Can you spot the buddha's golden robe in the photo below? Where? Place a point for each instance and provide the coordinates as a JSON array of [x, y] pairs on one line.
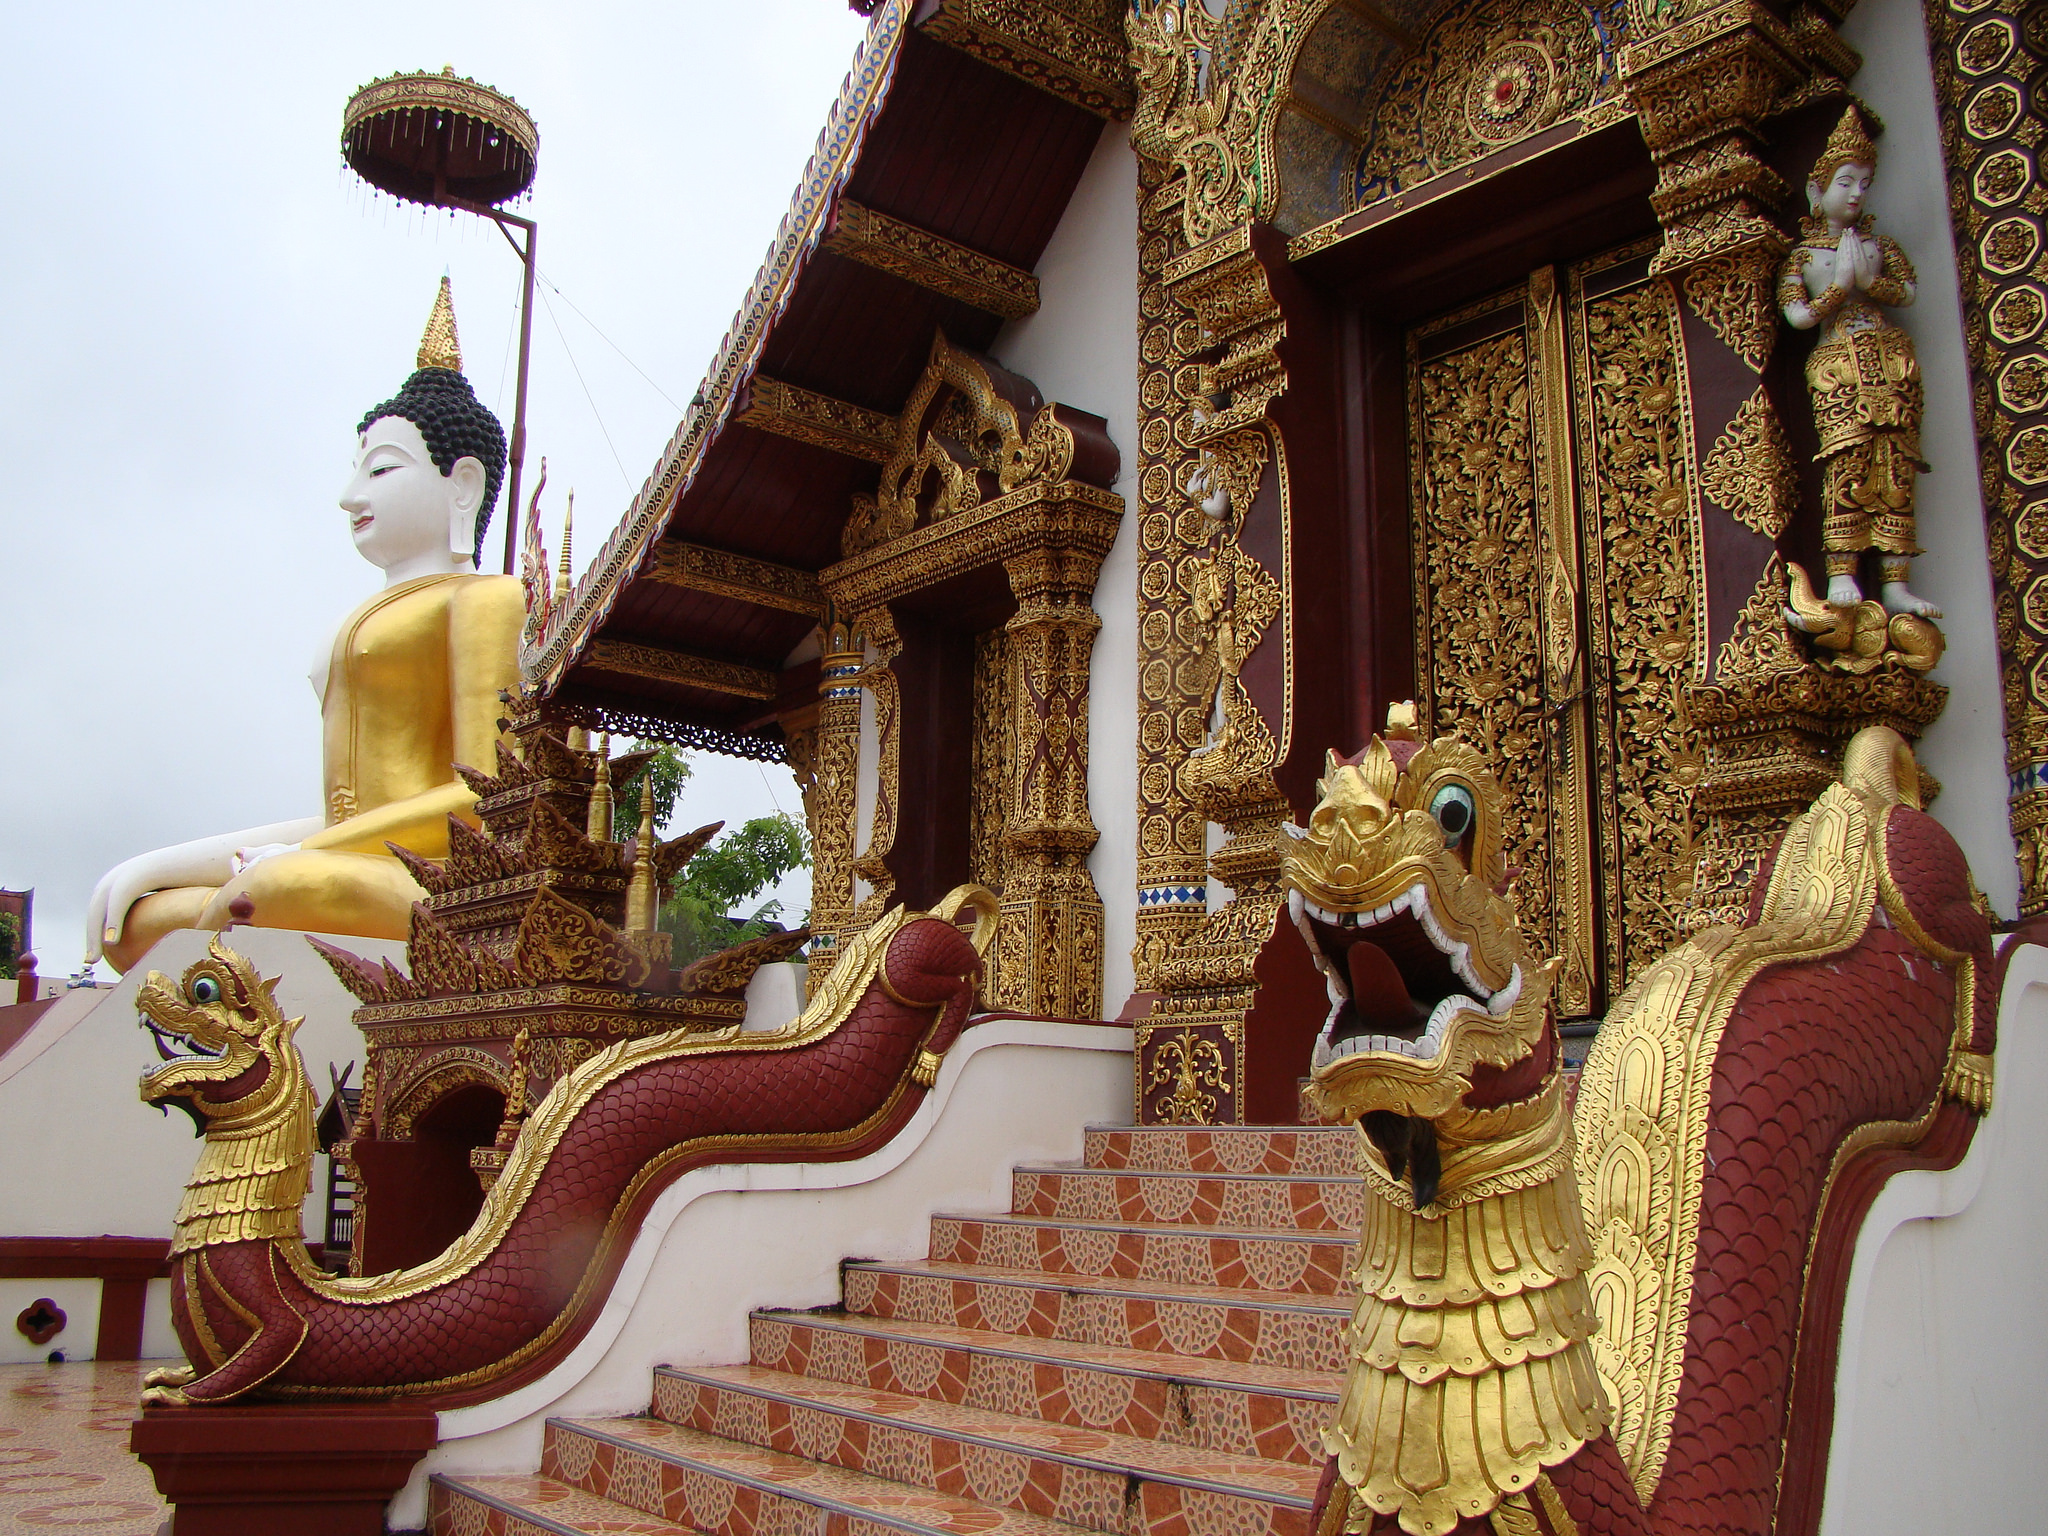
[[412, 689]]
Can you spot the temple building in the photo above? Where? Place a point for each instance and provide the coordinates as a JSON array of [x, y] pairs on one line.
[[1473, 569]]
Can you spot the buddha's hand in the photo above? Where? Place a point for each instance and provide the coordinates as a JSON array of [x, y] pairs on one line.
[[244, 858], [119, 889], [204, 861]]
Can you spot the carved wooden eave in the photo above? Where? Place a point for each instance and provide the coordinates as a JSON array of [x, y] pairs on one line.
[[695, 568], [931, 261], [663, 664], [942, 173], [1072, 48], [803, 415]]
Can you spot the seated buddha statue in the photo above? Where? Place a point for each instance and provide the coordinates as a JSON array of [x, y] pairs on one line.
[[408, 687]]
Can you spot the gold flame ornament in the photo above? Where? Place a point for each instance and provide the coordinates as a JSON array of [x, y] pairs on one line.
[[440, 347]]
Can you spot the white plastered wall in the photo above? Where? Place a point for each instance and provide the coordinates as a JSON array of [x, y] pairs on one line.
[[722, 1241], [1940, 1423], [1965, 749], [1081, 349], [84, 1157]]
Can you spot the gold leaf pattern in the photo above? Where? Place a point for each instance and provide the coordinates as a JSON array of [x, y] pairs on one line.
[[1749, 469]]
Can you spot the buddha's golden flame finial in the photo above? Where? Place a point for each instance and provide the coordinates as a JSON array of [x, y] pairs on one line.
[[1849, 144], [439, 345]]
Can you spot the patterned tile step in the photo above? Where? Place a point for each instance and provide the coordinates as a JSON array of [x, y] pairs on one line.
[[728, 1489], [1264, 1261], [532, 1506], [1296, 1330], [1264, 1201], [1319, 1151], [1219, 1405], [1058, 1470]]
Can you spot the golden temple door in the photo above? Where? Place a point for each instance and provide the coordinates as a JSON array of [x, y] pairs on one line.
[[1557, 565]]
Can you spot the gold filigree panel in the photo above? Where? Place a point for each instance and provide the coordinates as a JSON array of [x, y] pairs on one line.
[[994, 753], [1749, 469], [1488, 645], [1557, 570], [1640, 523], [1484, 76]]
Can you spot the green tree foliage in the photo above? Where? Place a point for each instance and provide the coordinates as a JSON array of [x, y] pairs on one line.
[[10, 943], [716, 901], [668, 772], [708, 910]]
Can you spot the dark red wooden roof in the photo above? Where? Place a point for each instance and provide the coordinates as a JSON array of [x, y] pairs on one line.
[[926, 135]]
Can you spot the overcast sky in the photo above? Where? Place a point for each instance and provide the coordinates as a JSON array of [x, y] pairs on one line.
[[200, 303]]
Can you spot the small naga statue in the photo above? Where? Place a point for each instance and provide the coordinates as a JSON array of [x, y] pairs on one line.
[[1863, 376], [1618, 1316], [515, 1292]]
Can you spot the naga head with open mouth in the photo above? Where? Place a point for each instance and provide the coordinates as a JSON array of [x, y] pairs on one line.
[[226, 1046], [1398, 884]]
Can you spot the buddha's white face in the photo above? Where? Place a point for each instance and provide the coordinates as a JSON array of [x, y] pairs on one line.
[[1841, 200], [407, 518]]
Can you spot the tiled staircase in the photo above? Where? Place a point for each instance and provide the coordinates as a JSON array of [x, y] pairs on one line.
[[1148, 1345]]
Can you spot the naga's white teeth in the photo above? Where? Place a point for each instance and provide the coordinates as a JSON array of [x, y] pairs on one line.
[[1457, 953], [1295, 906]]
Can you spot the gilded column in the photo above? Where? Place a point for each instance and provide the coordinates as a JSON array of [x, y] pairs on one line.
[[832, 802], [1047, 956], [878, 625], [1172, 890], [1701, 84]]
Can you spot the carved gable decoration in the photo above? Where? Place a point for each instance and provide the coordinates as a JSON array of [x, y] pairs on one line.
[[970, 432]]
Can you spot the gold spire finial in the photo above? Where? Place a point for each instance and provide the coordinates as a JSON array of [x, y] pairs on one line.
[[598, 821], [1849, 144], [640, 893], [439, 345], [568, 532]]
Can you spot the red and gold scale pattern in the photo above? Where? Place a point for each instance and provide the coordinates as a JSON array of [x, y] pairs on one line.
[[1146, 1345]]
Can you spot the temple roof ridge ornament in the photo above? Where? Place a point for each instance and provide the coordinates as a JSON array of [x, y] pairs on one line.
[[572, 624]]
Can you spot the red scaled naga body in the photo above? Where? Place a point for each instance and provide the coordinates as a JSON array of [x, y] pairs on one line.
[[515, 1292], [1621, 1316]]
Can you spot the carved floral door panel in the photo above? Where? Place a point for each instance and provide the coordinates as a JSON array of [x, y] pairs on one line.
[[1556, 559]]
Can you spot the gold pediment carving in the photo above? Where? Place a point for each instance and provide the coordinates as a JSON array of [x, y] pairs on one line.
[[972, 431]]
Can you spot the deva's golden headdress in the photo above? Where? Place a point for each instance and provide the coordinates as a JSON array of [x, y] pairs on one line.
[[1849, 144]]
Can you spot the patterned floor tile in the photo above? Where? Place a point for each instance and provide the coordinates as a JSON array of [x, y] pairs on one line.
[[1266, 1261], [1096, 1449], [64, 1458], [1221, 1405], [1281, 1202], [1329, 1151], [1263, 1327], [532, 1506], [730, 1489]]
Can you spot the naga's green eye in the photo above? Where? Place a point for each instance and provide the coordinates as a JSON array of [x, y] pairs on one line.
[[205, 990], [1453, 810]]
